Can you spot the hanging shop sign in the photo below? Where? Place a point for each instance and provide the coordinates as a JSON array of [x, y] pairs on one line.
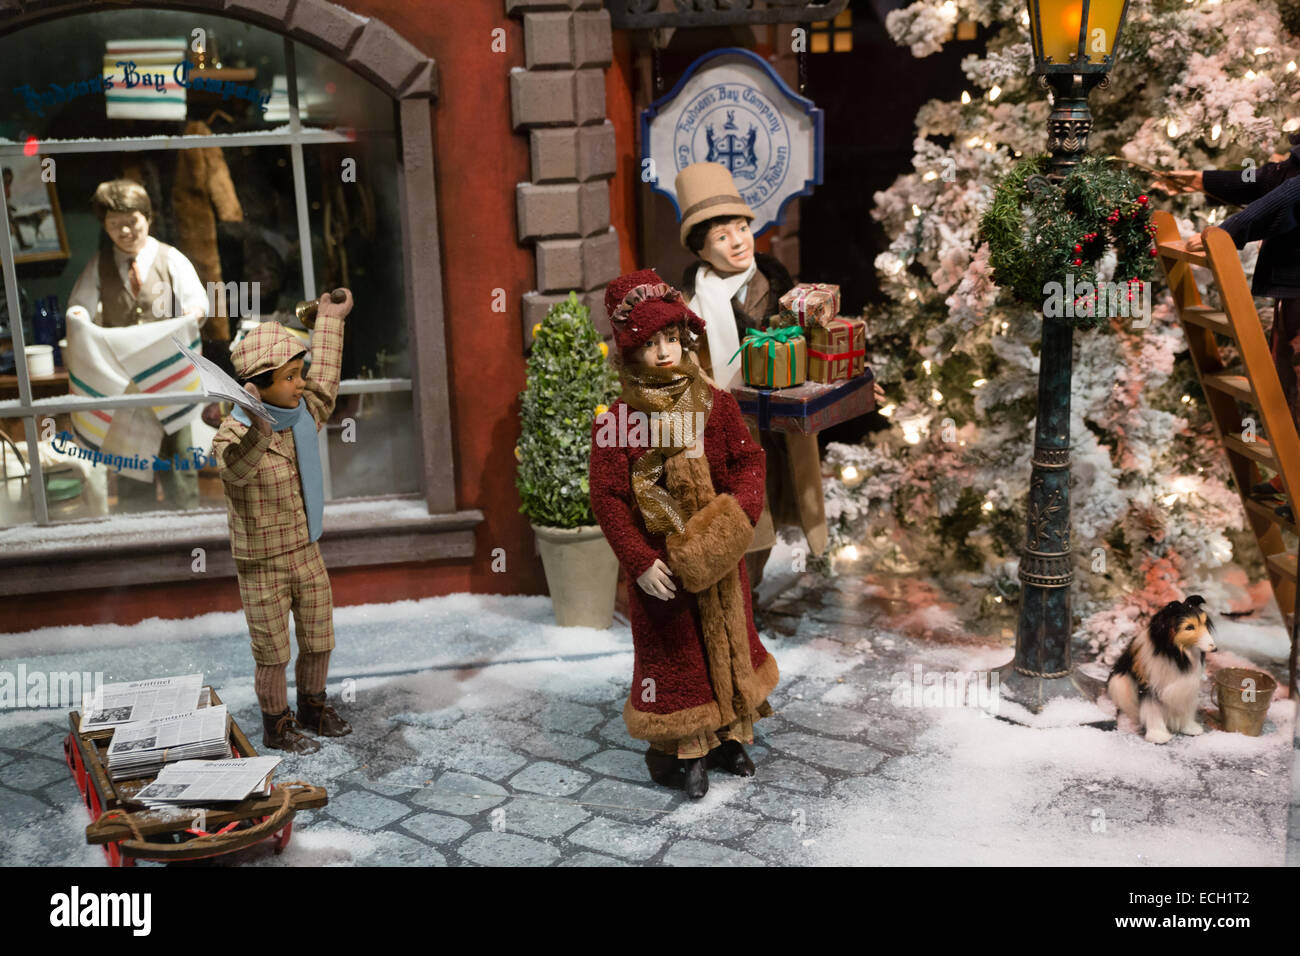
[[731, 108]]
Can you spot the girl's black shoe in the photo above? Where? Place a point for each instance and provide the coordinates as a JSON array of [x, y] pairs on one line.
[[697, 778], [664, 768], [731, 757]]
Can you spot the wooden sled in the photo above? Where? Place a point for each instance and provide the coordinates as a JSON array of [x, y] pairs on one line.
[[128, 834]]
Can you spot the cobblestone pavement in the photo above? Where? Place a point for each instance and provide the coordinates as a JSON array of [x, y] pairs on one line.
[[523, 759]]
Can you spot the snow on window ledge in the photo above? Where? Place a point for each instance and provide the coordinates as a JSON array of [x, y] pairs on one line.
[[209, 527]]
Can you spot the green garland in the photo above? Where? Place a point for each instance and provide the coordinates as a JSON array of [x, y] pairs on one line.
[[1041, 232]]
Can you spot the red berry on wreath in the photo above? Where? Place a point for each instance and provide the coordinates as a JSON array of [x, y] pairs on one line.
[[1078, 248], [1142, 200], [1078, 262]]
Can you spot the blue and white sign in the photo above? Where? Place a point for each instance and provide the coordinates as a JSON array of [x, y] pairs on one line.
[[731, 108]]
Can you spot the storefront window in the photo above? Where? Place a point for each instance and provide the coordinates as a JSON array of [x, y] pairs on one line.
[[265, 201]]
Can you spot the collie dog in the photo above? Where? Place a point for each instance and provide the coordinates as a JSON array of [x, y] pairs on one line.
[[1157, 680]]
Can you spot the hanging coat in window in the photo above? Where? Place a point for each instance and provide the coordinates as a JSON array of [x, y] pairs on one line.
[[202, 185]]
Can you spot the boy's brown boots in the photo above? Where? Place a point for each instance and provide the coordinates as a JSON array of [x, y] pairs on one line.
[[319, 717], [283, 732]]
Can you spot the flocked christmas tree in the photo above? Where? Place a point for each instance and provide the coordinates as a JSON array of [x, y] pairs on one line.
[[1198, 84], [569, 382]]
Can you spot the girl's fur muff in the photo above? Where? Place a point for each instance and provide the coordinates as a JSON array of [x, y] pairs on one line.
[[1156, 681], [640, 304]]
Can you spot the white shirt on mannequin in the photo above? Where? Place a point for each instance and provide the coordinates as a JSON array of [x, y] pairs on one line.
[[185, 281]]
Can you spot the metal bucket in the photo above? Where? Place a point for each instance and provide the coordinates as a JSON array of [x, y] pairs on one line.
[[1243, 696]]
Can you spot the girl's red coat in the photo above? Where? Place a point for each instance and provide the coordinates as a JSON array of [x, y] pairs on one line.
[[667, 636]]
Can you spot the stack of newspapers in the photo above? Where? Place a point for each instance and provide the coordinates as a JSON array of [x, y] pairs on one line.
[[113, 705], [197, 782], [140, 749]]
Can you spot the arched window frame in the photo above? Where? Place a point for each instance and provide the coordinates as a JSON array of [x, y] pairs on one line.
[[384, 58]]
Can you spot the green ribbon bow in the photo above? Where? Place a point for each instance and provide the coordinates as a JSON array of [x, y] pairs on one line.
[[785, 335]]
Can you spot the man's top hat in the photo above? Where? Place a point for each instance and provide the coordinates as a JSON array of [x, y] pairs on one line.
[[706, 190]]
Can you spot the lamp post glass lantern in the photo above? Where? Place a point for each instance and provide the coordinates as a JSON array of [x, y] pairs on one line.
[[1074, 43], [1075, 36]]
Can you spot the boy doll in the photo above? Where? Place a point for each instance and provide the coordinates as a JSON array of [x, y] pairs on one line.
[[735, 289], [677, 502], [273, 482]]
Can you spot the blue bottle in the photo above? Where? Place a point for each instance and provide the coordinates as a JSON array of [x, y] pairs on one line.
[[60, 330], [43, 324]]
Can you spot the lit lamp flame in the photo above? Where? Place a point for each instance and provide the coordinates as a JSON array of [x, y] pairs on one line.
[[1060, 22]]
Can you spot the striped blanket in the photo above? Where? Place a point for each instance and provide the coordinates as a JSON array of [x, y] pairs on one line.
[[144, 79], [136, 359]]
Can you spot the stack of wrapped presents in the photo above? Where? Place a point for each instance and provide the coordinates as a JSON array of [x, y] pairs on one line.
[[807, 370]]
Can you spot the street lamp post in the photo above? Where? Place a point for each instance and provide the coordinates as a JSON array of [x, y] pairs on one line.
[[1074, 43]]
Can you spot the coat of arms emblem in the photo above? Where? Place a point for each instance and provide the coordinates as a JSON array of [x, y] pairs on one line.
[[736, 153]]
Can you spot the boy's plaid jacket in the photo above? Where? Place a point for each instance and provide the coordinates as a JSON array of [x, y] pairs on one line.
[[264, 504]]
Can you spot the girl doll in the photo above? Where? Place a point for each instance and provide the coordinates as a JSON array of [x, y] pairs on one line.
[[677, 484]]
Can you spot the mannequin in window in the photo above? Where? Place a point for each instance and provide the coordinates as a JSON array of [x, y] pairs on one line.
[[137, 280]]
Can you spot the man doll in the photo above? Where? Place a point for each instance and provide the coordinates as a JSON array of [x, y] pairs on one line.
[[272, 476], [136, 280], [679, 522], [733, 289], [1271, 196]]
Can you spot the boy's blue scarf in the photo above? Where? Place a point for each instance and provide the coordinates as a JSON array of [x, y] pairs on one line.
[[309, 469]]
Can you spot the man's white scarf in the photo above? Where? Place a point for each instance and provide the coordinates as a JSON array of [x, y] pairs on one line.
[[712, 302]]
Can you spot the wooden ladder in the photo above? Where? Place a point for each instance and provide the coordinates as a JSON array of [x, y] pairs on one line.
[[1276, 444]]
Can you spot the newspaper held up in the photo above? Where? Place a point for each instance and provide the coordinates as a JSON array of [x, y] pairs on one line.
[[217, 384]]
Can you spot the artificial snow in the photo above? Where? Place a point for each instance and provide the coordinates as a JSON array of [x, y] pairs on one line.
[[487, 735]]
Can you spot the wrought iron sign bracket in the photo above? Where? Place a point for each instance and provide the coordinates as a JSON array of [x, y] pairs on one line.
[[645, 14]]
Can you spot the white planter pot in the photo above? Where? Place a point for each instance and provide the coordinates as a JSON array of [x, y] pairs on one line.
[[582, 574]]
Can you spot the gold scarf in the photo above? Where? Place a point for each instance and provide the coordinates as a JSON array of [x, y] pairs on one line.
[[677, 394]]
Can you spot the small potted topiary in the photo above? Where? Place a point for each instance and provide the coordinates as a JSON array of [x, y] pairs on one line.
[[568, 384]]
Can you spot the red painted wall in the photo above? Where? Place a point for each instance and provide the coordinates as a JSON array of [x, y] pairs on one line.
[[478, 160], [620, 107]]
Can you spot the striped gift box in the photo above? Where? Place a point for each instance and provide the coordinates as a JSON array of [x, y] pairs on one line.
[[143, 73]]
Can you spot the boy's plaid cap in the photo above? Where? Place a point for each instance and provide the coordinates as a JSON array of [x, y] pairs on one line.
[[267, 347]]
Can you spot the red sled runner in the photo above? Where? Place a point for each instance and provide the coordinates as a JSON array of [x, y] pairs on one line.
[[127, 836]]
